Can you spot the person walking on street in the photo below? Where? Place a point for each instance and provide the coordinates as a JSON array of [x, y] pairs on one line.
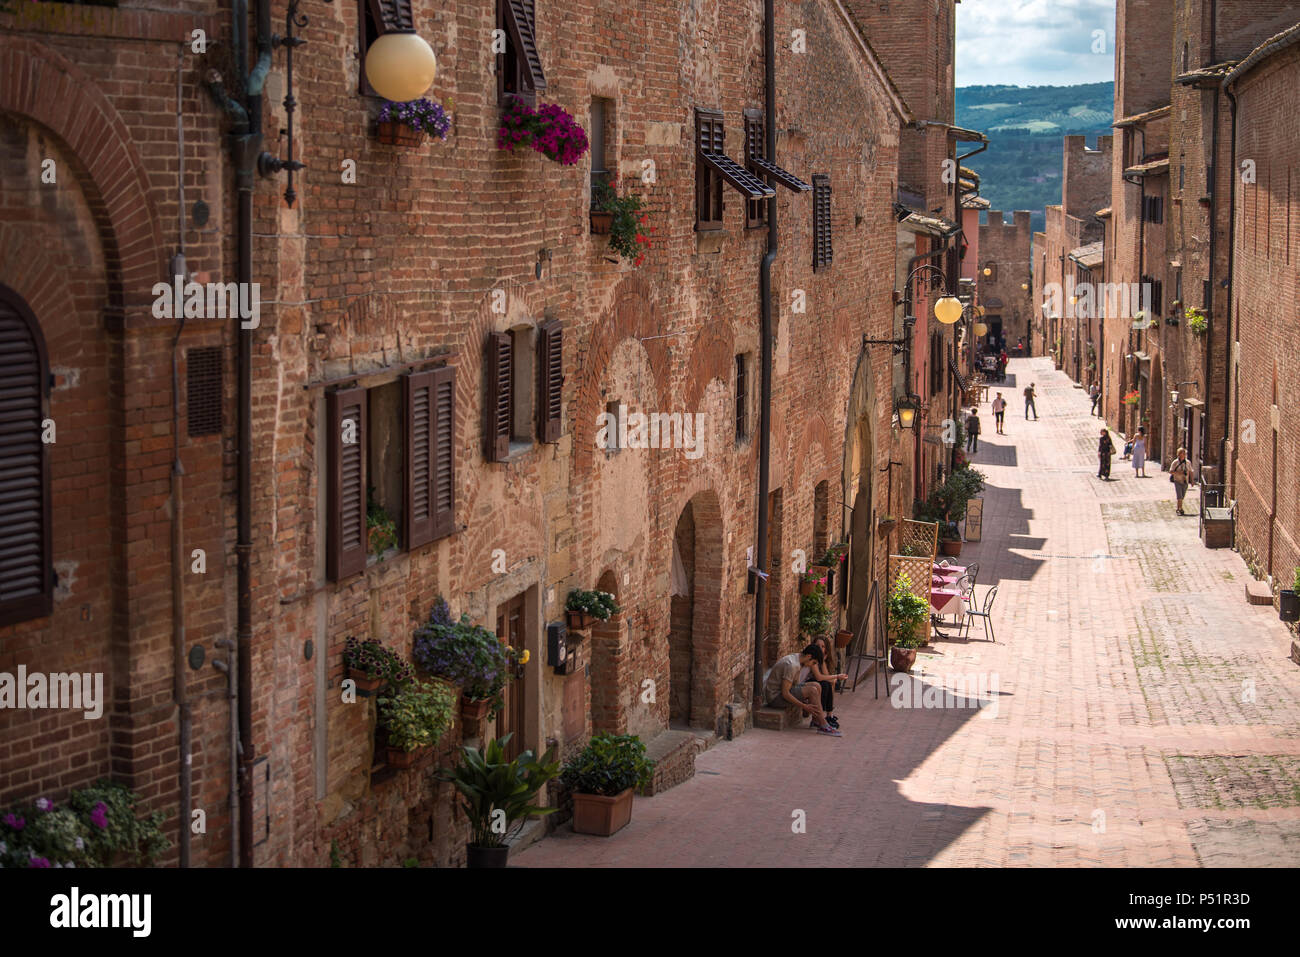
[[1140, 454], [1180, 473], [973, 431], [1029, 402], [1096, 397], [1105, 449], [999, 412]]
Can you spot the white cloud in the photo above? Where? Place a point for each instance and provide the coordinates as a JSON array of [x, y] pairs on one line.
[[1033, 42]]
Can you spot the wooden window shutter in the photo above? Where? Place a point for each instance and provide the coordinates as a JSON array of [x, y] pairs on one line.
[[500, 404], [822, 253], [550, 375], [26, 568], [346, 545], [444, 451], [392, 16], [417, 388]]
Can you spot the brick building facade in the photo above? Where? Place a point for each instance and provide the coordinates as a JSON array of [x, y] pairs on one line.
[[427, 268], [1004, 249]]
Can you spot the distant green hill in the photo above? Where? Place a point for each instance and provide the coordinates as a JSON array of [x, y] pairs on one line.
[[1021, 169]]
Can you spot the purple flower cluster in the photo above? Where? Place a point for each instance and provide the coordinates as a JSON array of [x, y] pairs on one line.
[[99, 815], [15, 822], [550, 130], [423, 116]]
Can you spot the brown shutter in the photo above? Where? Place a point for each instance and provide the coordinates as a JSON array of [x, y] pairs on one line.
[[392, 16], [500, 407], [821, 221], [418, 393], [26, 577], [550, 385], [346, 543], [444, 451]]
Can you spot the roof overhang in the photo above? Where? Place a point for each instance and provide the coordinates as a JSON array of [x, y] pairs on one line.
[[1206, 77], [1089, 256], [1103, 213], [1137, 119], [1270, 47], [1154, 168], [874, 62], [929, 225]]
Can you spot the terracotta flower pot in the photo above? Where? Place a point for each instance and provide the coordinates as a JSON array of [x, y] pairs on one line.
[[600, 815], [902, 659], [474, 709], [398, 134], [950, 547], [366, 686], [397, 758], [477, 856], [601, 222], [843, 638], [806, 586], [578, 620]]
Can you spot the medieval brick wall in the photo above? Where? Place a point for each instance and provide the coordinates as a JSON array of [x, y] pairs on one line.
[[408, 262]]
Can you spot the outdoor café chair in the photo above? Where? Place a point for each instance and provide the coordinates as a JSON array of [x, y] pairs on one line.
[[986, 614], [973, 570]]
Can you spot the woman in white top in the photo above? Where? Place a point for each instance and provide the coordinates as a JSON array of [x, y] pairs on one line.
[[1140, 454]]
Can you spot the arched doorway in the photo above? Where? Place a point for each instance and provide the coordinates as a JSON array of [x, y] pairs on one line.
[[608, 654], [695, 632]]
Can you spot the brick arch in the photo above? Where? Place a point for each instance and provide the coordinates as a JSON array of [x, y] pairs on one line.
[[49, 90], [712, 357], [609, 662], [515, 527], [632, 315], [814, 431], [35, 277], [708, 687]]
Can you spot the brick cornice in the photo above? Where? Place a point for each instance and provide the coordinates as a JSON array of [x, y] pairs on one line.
[[63, 19]]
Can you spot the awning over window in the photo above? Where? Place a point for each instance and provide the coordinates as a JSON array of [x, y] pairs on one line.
[[747, 183]]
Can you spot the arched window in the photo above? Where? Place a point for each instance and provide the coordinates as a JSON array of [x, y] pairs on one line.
[[26, 576]]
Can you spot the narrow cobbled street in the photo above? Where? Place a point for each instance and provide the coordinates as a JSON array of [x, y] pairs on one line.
[[1146, 715]]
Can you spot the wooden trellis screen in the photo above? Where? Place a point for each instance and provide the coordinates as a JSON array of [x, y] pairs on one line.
[[922, 536], [916, 571]]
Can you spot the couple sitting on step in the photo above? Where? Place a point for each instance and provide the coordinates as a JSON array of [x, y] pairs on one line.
[[799, 679]]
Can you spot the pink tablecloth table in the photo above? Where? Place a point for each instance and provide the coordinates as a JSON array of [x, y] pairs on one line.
[[945, 570], [945, 601]]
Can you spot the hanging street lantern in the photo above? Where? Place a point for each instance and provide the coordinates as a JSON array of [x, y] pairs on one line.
[[401, 66]]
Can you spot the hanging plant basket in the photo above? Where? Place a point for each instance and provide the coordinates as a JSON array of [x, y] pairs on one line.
[[474, 709], [398, 134], [578, 620], [886, 525], [601, 222], [843, 638], [366, 686]]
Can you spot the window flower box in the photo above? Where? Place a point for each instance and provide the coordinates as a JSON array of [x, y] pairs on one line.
[[405, 124], [548, 129], [601, 221]]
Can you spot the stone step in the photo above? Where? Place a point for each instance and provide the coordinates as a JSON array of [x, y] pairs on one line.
[[1258, 593], [674, 755], [777, 719]]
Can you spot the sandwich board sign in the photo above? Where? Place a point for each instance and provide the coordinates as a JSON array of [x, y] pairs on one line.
[[974, 518]]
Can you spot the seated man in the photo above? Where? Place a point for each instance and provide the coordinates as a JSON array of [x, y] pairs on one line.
[[783, 686]]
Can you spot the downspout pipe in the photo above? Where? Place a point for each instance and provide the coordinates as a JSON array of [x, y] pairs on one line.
[[1229, 315], [1211, 327], [765, 347], [245, 149]]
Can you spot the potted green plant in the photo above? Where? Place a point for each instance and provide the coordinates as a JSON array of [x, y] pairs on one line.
[[950, 539], [381, 530], [1288, 600], [602, 778], [814, 614], [371, 666], [466, 655], [905, 613], [497, 796], [621, 218], [833, 562], [583, 607], [1197, 320], [415, 717]]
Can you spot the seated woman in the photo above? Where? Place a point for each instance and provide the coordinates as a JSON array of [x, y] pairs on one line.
[[816, 672]]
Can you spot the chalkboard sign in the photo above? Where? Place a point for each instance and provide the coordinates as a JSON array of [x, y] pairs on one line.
[[974, 518]]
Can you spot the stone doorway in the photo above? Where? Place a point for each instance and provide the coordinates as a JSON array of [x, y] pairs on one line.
[[695, 633]]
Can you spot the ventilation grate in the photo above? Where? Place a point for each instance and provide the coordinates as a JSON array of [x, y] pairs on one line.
[[203, 390]]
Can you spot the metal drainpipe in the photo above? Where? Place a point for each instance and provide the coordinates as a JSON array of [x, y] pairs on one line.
[[765, 346], [245, 149], [179, 695], [1229, 315]]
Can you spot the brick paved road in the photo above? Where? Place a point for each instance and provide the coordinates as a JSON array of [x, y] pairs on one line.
[[1147, 716]]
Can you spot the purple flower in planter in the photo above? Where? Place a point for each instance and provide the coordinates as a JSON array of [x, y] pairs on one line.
[[14, 822], [44, 804], [99, 815], [38, 862]]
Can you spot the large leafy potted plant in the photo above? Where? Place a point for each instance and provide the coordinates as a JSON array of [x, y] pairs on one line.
[[466, 655], [602, 778], [814, 614], [583, 607], [905, 613], [415, 717], [950, 539], [498, 795]]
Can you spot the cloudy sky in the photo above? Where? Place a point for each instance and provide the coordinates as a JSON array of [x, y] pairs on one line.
[[1034, 42]]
